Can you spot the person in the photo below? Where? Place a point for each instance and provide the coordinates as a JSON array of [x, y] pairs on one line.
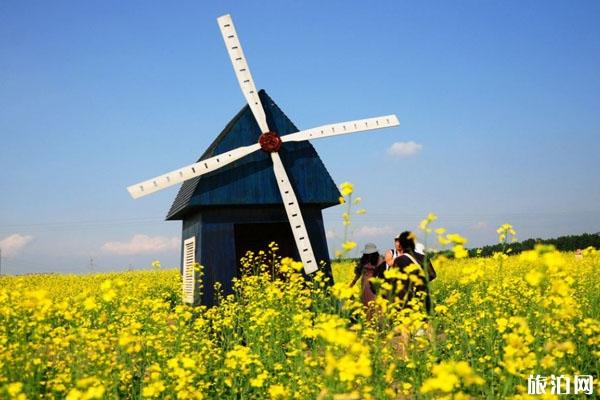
[[365, 270], [420, 248], [392, 254], [418, 283]]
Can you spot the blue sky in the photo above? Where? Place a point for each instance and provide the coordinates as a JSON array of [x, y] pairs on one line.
[[502, 98]]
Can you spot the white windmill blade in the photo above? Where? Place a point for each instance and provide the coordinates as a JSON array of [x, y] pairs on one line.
[[342, 128], [191, 171], [292, 208], [242, 71]]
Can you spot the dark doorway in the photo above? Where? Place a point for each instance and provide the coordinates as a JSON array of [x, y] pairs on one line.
[[256, 237]]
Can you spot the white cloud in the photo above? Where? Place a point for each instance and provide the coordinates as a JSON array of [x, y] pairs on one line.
[[330, 234], [479, 226], [404, 149], [373, 231], [12, 244], [142, 244]]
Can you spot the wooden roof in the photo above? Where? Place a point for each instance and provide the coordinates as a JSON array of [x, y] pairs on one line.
[[250, 180]]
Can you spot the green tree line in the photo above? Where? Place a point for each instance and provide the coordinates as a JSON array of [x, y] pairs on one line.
[[562, 243]]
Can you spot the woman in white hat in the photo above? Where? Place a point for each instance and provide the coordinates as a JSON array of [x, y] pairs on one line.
[[367, 268]]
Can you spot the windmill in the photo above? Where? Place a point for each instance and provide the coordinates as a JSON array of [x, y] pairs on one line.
[[271, 143]]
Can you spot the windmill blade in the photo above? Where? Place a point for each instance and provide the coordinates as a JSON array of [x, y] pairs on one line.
[[292, 208], [242, 71], [342, 128], [191, 171]]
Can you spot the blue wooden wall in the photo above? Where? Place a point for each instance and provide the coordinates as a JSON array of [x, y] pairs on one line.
[[215, 240]]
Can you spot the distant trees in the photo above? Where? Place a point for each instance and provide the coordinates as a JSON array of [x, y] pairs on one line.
[[562, 243]]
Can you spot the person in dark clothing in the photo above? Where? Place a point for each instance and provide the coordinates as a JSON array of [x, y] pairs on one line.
[[416, 277], [366, 269]]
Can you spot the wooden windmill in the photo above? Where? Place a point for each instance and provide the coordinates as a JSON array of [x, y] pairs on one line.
[[236, 198]]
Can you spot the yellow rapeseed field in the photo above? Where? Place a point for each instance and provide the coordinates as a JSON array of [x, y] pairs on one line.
[[127, 335]]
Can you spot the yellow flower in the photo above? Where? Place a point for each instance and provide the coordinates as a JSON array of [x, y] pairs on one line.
[[94, 392], [395, 273], [297, 266], [459, 251], [149, 391], [443, 241], [528, 256], [444, 382], [504, 228], [109, 295], [107, 284], [346, 188], [259, 380], [188, 363], [349, 245], [501, 323], [456, 238], [15, 388], [504, 231], [277, 391], [441, 309], [448, 376], [588, 251], [74, 394], [342, 291], [548, 362], [534, 277], [89, 303], [125, 339]]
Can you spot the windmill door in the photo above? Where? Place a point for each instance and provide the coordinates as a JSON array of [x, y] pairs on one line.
[[256, 237]]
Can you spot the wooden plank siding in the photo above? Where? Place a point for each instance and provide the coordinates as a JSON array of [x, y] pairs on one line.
[[215, 234], [250, 180]]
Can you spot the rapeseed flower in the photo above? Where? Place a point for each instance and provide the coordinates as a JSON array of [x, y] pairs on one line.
[[349, 245], [346, 188], [281, 336], [277, 391], [450, 376]]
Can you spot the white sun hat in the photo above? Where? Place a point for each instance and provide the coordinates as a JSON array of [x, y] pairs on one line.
[[370, 248]]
